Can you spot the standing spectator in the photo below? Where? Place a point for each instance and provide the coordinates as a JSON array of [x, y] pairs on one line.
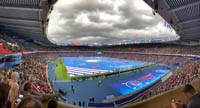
[[14, 90], [144, 96], [83, 104], [55, 78], [4, 90], [79, 103], [99, 83], [93, 99], [74, 103], [73, 88]]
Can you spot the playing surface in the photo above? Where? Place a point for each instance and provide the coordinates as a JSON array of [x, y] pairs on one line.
[[112, 86], [77, 66]]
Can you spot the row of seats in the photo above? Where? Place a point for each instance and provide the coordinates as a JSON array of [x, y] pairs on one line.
[[175, 3], [20, 2], [3, 50]]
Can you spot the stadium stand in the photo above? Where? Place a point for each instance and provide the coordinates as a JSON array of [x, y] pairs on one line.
[[33, 69], [3, 50], [166, 98]]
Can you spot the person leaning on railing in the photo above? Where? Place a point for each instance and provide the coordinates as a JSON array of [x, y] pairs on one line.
[[192, 96]]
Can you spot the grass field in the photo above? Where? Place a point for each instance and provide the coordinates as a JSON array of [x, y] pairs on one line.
[[60, 70]]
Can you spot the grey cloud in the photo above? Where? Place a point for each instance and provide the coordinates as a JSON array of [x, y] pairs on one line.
[[133, 17], [131, 24], [94, 17]]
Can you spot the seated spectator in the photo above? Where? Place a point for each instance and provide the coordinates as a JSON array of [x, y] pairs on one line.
[[14, 88], [28, 92], [4, 91], [192, 96], [30, 103]]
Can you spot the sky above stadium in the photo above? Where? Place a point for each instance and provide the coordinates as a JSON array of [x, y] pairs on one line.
[[99, 21]]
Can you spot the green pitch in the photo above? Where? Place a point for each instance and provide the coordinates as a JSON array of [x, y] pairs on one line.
[[60, 70]]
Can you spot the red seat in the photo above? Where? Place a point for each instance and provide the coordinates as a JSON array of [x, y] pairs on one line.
[[3, 50]]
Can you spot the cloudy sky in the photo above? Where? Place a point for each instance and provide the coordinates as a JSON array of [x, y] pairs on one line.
[[99, 21]]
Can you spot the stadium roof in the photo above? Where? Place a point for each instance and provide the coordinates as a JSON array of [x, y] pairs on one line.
[[29, 18], [182, 15], [26, 18]]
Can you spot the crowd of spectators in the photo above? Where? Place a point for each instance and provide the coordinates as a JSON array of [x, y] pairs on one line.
[[33, 69], [182, 75], [8, 46], [185, 69], [29, 76]]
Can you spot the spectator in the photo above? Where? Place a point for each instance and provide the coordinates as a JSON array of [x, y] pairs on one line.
[[4, 91], [62, 92], [30, 103], [144, 96], [14, 90], [83, 103], [55, 78], [53, 104], [99, 83], [28, 92], [192, 96], [74, 103], [73, 88], [79, 103]]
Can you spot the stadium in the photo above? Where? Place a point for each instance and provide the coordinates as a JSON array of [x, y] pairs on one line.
[[41, 68]]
